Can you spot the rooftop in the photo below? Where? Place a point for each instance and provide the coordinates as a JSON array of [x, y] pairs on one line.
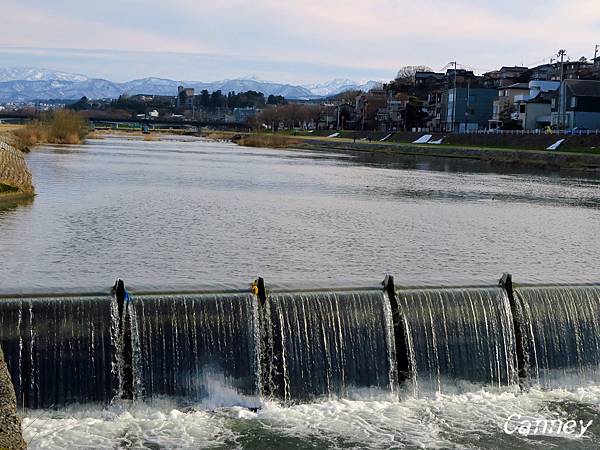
[[584, 88]]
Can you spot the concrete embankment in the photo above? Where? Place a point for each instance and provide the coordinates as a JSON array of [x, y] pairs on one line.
[[10, 425], [15, 177], [543, 159]]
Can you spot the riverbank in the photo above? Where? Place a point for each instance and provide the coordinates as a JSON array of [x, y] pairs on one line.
[[539, 159], [59, 127], [527, 151]]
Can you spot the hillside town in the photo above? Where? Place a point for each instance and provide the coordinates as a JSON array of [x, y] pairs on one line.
[[558, 95]]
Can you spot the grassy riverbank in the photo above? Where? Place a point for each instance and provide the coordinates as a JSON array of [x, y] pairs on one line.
[[59, 127], [579, 152]]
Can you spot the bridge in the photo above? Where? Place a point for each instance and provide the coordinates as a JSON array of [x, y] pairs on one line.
[[100, 120]]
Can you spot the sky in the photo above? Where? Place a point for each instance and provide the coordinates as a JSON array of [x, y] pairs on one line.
[[290, 41]]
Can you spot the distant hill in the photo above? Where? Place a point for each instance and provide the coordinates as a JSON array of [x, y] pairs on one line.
[[339, 85], [29, 84], [37, 74]]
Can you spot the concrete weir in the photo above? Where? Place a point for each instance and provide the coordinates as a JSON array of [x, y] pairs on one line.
[[10, 425]]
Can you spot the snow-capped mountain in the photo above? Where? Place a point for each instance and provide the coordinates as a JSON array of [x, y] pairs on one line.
[[340, 85], [24, 90], [37, 74], [29, 84]]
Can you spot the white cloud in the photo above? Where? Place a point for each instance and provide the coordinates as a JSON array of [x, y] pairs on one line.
[[379, 35]]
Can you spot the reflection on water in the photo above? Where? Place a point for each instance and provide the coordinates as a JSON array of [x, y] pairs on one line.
[[186, 213]]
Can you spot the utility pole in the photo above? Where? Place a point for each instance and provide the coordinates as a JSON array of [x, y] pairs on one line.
[[468, 110], [561, 54], [454, 99], [596, 52]]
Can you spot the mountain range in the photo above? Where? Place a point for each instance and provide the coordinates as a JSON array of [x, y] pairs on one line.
[[18, 84]]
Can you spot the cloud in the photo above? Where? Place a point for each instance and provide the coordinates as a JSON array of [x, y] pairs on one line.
[[359, 37]]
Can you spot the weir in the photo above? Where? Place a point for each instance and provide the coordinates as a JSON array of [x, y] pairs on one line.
[[458, 334], [561, 325], [58, 349], [296, 345], [186, 343], [327, 343]]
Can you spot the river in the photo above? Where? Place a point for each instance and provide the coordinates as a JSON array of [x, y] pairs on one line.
[[182, 213], [187, 214]]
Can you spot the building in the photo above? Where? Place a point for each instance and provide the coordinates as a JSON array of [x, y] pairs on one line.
[[578, 70], [243, 115], [504, 105], [367, 107], [429, 81], [545, 72], [576, 105], [464, 109], [533, 111], [507, 76], [185, 97]]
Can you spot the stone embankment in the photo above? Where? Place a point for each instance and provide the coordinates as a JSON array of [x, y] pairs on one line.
[[15, 177], [11, 436]]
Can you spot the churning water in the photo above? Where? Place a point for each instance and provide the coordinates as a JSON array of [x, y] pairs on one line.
[[307, 369]]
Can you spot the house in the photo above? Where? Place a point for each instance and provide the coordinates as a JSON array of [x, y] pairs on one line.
[[464, 109], [578, 70], [577, 105], [430, 80], [366, 108], [545, 72], [504, 105], [335, 116], [506, 76], [533, 111]]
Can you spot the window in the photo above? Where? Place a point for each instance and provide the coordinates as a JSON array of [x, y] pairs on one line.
[[522, 108]]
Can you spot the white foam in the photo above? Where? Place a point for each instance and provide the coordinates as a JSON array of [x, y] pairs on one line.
[[369, 419]]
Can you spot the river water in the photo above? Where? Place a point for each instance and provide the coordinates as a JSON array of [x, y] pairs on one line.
[[183, 213], [187, 214]]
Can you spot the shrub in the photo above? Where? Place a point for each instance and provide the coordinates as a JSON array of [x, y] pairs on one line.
[[59, 127], [268, 140]]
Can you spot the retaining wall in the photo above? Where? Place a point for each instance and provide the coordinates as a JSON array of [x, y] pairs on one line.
[[10, 425], [15, 177]]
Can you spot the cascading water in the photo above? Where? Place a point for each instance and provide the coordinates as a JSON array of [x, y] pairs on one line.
[[58, 350], [458, 334], [561, 327], [327, 343], [186, 343]]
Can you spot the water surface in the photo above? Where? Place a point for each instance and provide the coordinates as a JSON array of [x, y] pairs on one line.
[[184, 214]]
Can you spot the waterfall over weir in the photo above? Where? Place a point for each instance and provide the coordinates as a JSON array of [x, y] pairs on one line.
[[329, 342], [58, 350], [185, 342], [561, 329], [458, 334], [295, 346]]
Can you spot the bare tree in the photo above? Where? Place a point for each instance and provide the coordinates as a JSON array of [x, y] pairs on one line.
[[407, 73]]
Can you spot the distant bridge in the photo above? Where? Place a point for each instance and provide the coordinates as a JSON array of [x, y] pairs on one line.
[[139, 123]]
